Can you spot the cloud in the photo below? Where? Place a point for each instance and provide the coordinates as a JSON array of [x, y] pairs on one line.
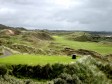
[[57, 14], [92, 14]]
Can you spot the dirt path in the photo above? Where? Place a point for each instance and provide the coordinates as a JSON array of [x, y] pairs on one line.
[[6, 53]]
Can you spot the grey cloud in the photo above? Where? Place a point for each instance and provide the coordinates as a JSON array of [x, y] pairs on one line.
[[94, 15], [45, 14]]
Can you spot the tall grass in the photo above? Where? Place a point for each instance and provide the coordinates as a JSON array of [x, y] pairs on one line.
[[13, 80], [86, 70]]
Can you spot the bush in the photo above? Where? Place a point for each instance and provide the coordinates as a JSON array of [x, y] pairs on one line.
[[22, 71], [66, 77], [3, 70], [47, 72], [57, 69], [76, 79], [107, 69], [41, 72], [71, 79], [71, 69], [59, 81], [1, 53], [37, 70]]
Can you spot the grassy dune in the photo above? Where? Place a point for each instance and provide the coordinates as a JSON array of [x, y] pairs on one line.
[[100, 48], [35, 59]]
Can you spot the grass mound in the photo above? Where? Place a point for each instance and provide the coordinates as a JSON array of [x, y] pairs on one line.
[[26, 49], [9, 32], [70, 51], [80, 36], [36, 36], [85, 36]]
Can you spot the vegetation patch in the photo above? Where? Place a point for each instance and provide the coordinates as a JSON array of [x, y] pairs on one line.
[[25, 49], [32, 36], [80, 36], [37, 55], [9, 32], [86, 36], [84, 71], [93, 46]]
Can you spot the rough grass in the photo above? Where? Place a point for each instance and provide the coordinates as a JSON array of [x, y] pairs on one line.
[[79, 36], [8, 79], [100, 48], [35, 59]]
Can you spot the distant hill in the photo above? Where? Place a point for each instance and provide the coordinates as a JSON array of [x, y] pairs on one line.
[[8, 27], [87, 36], [79, 36], [35, 36], [4, 27], [9, 32]]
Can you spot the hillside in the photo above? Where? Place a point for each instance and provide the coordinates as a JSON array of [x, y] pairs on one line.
[[4, 27], [80, 36], [25, 41], [88, 36], [8, 27], [46, 57]]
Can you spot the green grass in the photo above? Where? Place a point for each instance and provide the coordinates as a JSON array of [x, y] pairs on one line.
[[18, 40], [98, 47], [35, 59]]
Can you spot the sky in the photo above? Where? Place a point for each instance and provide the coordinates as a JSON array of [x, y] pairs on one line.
[[88, 15]]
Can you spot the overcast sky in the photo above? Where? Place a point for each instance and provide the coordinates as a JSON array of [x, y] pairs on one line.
[[95, 15]]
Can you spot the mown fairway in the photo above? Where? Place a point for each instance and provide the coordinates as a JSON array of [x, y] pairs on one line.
[[35, 59], [100, 48]]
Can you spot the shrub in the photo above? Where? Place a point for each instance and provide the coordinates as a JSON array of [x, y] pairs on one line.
[[46, 72], [66, 77], [71, 69], [37, 70], [21, 70], [57, 69], [41, 72], [107, 69], [59, 81], [3, 70], [76, 79]]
